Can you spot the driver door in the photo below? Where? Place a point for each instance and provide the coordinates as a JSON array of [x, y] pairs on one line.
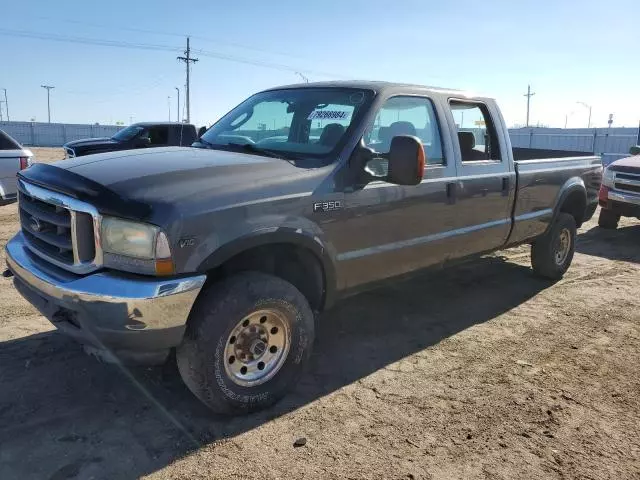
[[386, 230]]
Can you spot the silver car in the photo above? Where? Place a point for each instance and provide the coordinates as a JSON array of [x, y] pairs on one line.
[[13, 158]]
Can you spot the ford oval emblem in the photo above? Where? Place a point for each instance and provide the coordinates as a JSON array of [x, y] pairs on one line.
[[35, 224]]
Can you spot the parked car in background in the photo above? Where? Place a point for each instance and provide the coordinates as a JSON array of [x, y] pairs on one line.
[[138, 135], [226, 251], [13, 158], [620, 191]]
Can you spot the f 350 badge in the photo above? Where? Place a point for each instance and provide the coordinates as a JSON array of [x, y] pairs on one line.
[[329, 206]]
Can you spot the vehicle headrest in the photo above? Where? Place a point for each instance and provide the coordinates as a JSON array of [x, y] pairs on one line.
[[401, 128], [331, 134], [384, 134], [467, 141]]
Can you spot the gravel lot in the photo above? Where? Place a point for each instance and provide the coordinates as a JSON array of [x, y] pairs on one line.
[[482, 371]]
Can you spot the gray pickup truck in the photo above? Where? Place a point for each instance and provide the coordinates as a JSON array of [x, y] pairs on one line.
[[298, 196]]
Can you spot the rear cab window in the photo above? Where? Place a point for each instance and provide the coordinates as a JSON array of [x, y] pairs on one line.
[[476, 132]]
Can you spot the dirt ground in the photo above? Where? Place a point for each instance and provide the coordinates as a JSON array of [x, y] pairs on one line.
[[482, 371]]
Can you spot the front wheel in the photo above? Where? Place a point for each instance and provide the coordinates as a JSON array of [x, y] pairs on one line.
[[552, 253], [608, 219], [247, 342]]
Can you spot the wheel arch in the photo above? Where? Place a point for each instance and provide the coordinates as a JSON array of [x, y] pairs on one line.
[[296, 256], [572, 199]]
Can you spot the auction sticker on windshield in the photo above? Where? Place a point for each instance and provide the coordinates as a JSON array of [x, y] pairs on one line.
[[328, 115]]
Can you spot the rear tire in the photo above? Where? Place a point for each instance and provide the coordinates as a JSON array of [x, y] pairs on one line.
[[608, 219], [552, 253], [246, 343]]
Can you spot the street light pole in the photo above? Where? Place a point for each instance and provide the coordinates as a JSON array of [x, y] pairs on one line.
[[178, 114], [48, 87]]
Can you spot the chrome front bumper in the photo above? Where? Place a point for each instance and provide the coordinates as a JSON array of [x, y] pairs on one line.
[[623, 197], [129, 316]]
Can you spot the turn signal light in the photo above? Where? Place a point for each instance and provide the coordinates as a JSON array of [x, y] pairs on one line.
[[603, 195]]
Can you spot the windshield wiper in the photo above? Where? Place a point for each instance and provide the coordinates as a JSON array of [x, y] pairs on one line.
[[204, 142], [250, 147]]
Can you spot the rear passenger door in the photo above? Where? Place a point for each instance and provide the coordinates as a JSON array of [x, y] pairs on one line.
[[486, 181]]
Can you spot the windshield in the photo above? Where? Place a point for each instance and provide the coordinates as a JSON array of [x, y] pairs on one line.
[[127, 133], [307, 121]]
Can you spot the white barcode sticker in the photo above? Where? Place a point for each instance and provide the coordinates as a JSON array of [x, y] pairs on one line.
[[328, 115]]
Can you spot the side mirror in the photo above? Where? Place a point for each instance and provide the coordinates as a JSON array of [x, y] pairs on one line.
[[635, 150], [406, 160]]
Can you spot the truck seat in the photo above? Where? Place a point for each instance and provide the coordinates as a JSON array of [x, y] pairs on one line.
[[467, 143]]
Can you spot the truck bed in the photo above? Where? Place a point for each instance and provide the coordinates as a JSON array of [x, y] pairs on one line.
[[521, 153]]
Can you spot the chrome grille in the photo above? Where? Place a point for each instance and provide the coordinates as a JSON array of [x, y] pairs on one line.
[[59, 228], [627, 182]]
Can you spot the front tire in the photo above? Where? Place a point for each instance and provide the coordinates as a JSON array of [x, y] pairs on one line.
[[552, 253], [247, 342], [608, 219]]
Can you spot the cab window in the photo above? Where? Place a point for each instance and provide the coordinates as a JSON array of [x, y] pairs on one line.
[[407, 115], [477, 135]]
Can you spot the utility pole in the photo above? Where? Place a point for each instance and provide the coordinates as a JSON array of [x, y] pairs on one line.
[[6, 103], [178, 114], [528, 95], [48, 87], [585, 105], [187, 59], [169, 105]]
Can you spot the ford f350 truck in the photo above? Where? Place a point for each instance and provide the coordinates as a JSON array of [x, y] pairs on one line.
[[298, 196]]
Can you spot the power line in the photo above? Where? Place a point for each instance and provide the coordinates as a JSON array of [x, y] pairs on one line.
[[87, 41], [259, 63], [150, 46], [169, 34]]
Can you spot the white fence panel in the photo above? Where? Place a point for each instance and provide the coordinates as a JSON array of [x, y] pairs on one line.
[[54, 134]]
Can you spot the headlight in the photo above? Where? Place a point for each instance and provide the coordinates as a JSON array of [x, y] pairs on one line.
[[608, 178], [135, 247]]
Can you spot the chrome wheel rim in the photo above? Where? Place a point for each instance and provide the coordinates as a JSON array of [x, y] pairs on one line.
[[256, 348], [564, 246]]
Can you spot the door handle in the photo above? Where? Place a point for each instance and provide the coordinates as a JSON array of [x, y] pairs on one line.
[[451, 192], [505, 186]]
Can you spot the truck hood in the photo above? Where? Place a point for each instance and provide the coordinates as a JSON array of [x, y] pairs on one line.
[[187, 178], [628, 164], [90, 142]]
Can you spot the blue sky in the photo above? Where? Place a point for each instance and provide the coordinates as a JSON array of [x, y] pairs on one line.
[[568, 51]]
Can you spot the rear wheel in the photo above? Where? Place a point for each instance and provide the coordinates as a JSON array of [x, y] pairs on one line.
[[608, 219], [247, 342], [552, 253]]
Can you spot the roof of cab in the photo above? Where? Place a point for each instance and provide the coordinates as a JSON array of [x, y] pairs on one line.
[[373, 85]]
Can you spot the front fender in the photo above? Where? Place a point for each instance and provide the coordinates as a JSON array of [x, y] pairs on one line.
[[300, 237]]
